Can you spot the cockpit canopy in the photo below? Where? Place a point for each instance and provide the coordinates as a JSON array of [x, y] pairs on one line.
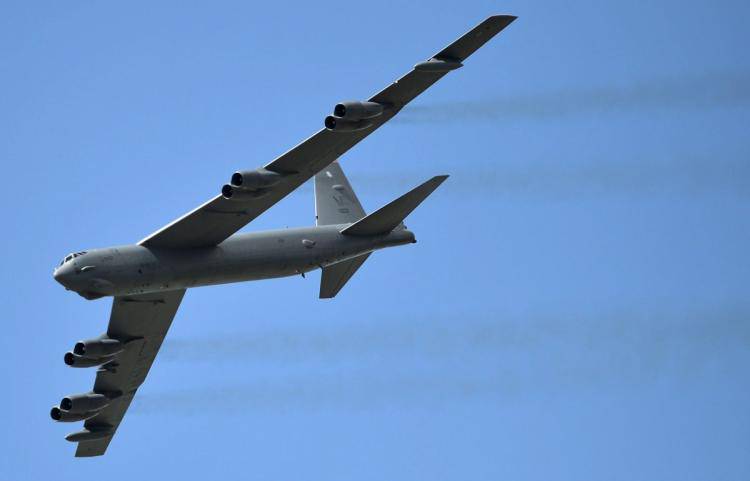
[[72, 256]]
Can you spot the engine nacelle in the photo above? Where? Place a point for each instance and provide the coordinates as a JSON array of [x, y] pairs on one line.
[[67, 417], [343, 125], [255, 179], [84, 403], [74, 360], [97, 348], [355, 110], [231, 192]]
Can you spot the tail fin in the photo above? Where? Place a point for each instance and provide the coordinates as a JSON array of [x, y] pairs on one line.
[[391, 215], [335, 201]]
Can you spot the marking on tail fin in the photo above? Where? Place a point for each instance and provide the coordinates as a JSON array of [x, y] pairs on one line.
[[335, 200]]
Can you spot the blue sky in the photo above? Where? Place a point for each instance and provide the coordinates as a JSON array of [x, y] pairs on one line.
[[576, 307]]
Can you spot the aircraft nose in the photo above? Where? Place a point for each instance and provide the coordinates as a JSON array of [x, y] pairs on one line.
[[62, 274]]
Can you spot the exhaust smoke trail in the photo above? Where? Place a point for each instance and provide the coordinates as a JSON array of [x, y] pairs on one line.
[[704, 92], [692, 176], [449, 361], [688, 175]]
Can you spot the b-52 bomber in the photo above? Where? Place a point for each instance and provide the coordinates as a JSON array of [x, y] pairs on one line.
[[148, 280]]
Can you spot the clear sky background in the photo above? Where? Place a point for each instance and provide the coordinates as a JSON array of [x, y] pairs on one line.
[[577, 307]]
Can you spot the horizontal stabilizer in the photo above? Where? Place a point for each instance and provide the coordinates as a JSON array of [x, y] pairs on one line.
[[336, 275], [388, 217]]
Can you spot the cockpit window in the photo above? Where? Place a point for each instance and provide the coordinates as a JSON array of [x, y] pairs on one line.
[[72, 256]]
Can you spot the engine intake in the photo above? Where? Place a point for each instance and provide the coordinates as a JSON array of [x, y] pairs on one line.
[[355, 110], [84, 403], [343, 125], [255, 179], [97, 348], [74, 360], [231, 192], [59, 415]]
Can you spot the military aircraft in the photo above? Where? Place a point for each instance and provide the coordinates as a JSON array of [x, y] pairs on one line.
[[148, 280]]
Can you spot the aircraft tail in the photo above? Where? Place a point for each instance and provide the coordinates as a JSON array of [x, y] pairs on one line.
[[391, 215], [336, 203]]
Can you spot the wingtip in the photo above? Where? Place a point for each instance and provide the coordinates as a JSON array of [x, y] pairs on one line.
[[503, 19]]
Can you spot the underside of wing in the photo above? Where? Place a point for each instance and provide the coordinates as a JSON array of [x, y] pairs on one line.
[[106, 422], [139, 323], [220, 217]]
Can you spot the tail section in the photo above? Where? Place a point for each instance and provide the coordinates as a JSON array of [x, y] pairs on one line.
[[335, 201], [391, 215]]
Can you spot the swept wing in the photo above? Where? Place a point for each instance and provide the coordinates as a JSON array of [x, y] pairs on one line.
[[218, 218]]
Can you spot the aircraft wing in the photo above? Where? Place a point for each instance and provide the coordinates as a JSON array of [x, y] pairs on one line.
[[218, 218], [141, 322]]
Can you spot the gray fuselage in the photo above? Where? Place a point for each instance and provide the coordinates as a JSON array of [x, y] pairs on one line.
[[135, 269]]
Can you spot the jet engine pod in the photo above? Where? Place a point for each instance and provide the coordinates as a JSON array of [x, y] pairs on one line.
[[84, 403], [231, 192], [255, 179], [58, 414], [74, 360], [94, 348], [343, 125], [355, 110]]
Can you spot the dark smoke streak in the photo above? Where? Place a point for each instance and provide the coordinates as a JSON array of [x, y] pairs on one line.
[[690, 175], [705, 92], [447, 362], [439, 337], [679, 175]]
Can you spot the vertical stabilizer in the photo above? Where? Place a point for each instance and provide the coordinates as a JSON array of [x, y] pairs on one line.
[[335, 201]]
